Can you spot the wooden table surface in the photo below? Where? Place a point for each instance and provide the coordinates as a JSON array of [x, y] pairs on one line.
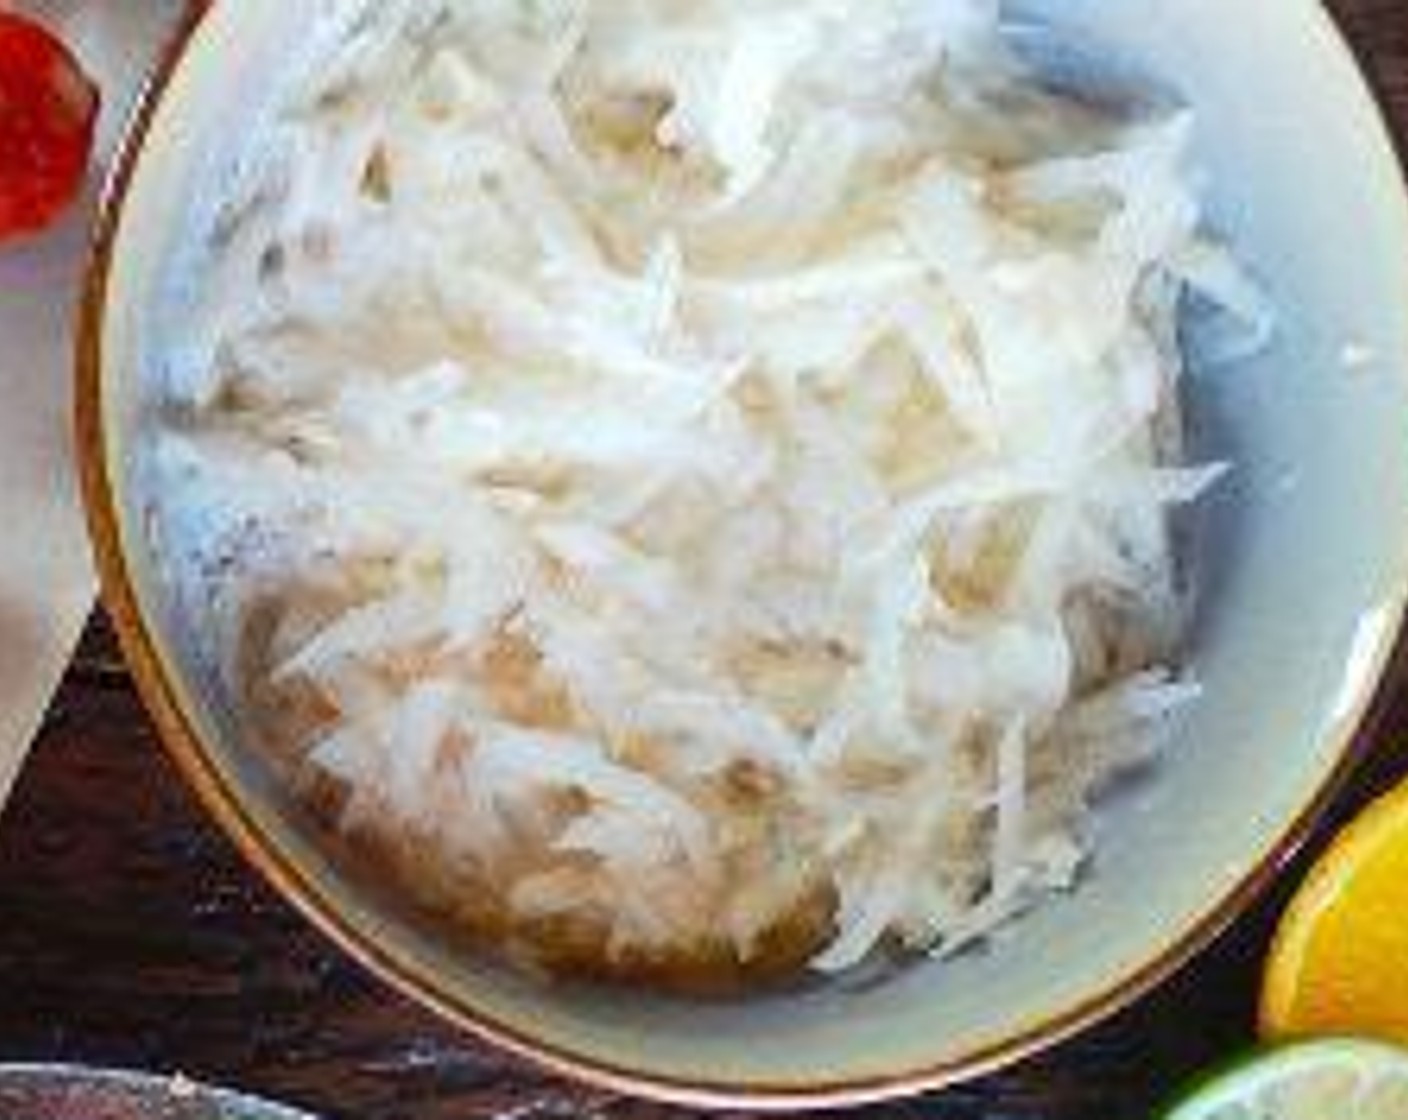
[[131, 934]]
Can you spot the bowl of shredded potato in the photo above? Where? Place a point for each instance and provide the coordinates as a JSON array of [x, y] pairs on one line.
[[757, 553]]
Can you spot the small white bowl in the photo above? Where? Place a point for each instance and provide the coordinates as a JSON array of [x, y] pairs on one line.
[[1307, 580], [42, 1092]]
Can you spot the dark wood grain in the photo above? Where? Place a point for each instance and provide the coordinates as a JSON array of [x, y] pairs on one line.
[[131, 934]]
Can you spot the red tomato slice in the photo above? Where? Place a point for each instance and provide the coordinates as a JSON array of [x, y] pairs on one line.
[[48, 109]]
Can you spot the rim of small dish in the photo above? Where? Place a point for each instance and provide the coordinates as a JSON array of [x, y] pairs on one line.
[[44, 1079], [226, 803]]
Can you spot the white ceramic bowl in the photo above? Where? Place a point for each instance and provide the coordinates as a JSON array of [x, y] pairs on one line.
[[1307, 578], [42, 1092]]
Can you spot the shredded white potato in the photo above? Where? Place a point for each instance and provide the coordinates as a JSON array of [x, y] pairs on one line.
[[700, 456]]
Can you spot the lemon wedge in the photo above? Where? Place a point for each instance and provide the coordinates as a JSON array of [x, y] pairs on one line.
[[1339, 964]]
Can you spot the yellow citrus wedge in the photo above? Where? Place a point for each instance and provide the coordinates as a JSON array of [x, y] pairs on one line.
[[1339, 964]]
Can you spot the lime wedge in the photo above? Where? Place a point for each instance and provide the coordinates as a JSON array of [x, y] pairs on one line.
[[1336, 1079]]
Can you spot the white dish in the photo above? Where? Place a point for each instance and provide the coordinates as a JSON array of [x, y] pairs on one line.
[[46, 581], [1306, 592]]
